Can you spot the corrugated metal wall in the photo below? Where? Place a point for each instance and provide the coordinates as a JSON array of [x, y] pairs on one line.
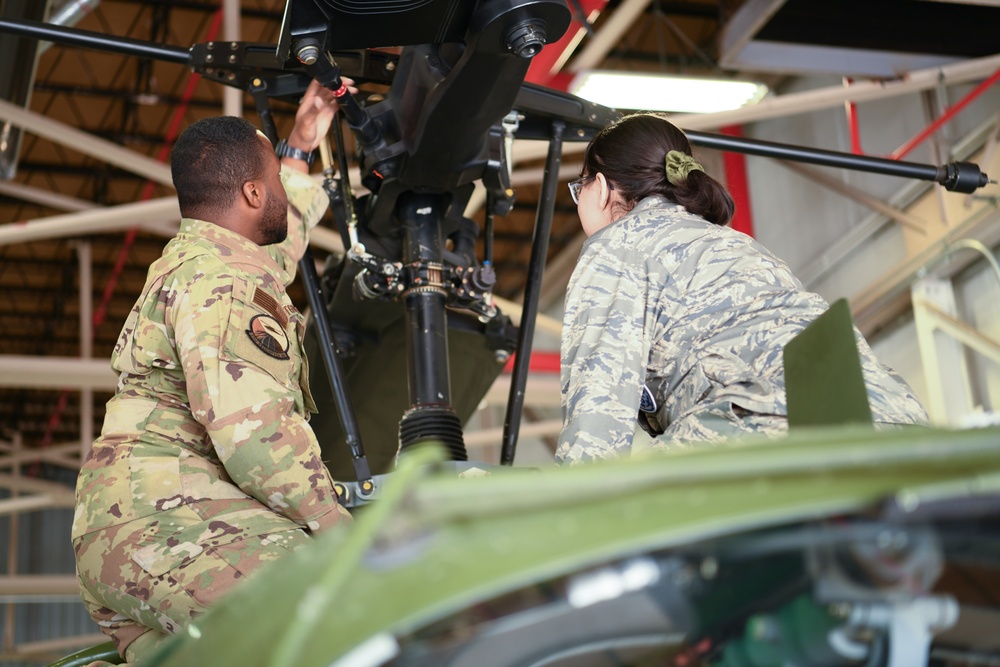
[[43, 541]]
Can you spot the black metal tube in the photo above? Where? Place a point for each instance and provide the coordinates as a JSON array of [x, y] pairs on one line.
[[95, 40], [427, 350], [427, 325], [334, 371], [326, 71], [258, 91], [488, 229], [347, 196], [924, 172], [532, 292]]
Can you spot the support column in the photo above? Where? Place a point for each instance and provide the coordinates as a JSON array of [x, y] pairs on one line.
[[431, 415], [14, 526], [232, 98], [83, 253], [945, 369]]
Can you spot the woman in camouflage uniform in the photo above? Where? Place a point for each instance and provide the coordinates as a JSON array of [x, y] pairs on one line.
[[667, 299]]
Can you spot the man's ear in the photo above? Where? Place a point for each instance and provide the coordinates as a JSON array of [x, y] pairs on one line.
[[253, 193]]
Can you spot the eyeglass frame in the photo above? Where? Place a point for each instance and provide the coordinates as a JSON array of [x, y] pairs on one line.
[[576, 186]]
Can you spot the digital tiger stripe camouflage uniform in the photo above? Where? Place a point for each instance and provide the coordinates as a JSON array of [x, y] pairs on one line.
[[206, 468], [700, 314]]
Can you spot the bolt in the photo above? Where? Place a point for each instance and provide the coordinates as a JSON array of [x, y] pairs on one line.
[[234, 45], [390, 66], [308, 54], [232, 59], [502, 356], [209, 58]]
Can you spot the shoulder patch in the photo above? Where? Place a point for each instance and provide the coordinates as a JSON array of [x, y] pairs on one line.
[[267, 334]]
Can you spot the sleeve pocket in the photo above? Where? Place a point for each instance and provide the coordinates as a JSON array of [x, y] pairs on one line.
[[258, 334]]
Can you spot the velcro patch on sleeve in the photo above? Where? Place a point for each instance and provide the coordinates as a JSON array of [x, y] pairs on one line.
[[259, 335], [270, 305], [268, 334]]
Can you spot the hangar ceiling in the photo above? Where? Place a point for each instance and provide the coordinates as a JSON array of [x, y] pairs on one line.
[[85, 106]]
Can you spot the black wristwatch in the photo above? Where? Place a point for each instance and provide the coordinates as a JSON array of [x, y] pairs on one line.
[[284, 150]]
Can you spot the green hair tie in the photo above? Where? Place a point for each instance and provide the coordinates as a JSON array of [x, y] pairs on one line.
[[679, 165]]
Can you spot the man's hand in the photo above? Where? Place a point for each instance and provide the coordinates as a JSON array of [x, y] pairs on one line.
[[315, 114]]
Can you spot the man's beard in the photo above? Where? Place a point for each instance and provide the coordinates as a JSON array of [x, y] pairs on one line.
[[274, 223]]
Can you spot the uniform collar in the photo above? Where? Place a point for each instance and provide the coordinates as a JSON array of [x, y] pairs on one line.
[[229, 246], [653, 201]]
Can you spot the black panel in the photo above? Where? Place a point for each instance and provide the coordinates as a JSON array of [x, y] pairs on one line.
[[356, 24], [908, 26]]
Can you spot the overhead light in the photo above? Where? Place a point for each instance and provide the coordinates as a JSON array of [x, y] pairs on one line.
[[660, 92]]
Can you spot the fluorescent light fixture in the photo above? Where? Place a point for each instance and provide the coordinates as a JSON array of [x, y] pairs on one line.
[[661, 92]]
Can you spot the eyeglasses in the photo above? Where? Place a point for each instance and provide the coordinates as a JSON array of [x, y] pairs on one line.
[[576, 186]]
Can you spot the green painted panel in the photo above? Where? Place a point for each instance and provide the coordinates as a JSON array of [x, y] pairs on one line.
[[823, 380], [436, 544]]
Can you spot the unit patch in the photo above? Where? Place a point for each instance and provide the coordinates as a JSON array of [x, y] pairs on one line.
[[267, 334]]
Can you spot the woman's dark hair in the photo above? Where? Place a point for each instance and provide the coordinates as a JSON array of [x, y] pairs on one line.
[[631, 153], [211, 161]]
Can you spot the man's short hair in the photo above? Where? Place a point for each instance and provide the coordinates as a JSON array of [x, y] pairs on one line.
[[211, 161]]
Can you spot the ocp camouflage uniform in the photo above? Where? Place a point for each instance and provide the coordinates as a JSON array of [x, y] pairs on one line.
[[698, 313], [206, 468]]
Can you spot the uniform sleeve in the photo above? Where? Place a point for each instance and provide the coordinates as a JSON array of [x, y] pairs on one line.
[[248, 407], [605, 349], [307, 202]]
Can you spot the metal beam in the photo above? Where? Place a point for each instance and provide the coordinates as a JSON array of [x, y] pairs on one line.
[[95, 221], [835, 96], [85, 143], [542, 390], [45, 197], [493, 436], [39, 584], [513, 310], [874, 203], [33, 502], [805, 102], [58, 492], [65, 454], [56, 372], [608, 37]]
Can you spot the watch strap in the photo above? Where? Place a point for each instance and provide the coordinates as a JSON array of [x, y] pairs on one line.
[[284, 150]]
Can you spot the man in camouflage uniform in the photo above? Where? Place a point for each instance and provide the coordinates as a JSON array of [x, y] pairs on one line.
[[206, 468], [698, 313]]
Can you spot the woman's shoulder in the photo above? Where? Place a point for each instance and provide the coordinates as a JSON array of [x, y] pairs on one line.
[[660, 224]]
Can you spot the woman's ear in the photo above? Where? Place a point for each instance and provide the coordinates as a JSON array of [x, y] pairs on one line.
[[253, 193], [604, 191]]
